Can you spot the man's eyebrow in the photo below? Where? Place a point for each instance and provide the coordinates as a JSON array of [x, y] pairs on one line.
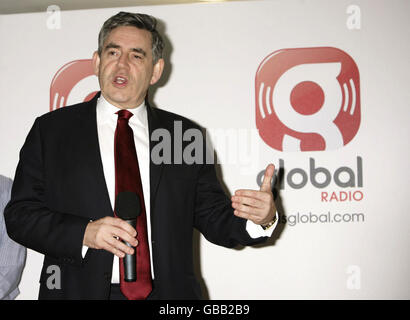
[[139, 50], [111, 45]]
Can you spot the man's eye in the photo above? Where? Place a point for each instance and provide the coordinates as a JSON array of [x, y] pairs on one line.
[[112, 53], [137, 57]]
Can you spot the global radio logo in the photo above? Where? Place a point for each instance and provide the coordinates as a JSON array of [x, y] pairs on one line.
[[74, 82], [307, 99]]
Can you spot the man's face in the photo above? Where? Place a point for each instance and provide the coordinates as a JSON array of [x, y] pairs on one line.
[[125, 68]]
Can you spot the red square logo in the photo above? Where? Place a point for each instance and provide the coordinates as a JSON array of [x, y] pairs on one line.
[[70, 78], [307, 99]]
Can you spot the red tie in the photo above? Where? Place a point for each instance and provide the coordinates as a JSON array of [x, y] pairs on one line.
[[127, 178]]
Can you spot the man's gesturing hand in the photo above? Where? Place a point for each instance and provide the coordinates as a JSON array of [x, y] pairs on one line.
[[104, 233], [257, 206]]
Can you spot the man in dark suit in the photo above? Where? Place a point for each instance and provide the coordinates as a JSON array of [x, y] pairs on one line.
[[63, 197]]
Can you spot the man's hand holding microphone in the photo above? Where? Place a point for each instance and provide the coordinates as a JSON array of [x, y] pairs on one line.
[[107, 233]]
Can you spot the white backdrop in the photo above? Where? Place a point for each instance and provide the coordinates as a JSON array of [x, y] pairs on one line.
[[216, 51]]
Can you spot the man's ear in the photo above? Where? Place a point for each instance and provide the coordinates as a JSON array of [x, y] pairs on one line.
[[96, 63], [157, 72]]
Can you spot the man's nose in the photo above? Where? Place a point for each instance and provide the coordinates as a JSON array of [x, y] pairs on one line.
[[123, 61]]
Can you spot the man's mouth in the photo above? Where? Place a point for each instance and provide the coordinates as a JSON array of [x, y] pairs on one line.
[[120, 81]]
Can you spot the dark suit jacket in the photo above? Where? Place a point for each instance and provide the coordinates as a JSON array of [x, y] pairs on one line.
[[59, 187]]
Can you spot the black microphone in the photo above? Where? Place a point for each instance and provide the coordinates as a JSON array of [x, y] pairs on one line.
[[128, 208]]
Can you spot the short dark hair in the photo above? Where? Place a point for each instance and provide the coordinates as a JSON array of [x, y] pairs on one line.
[[138, 20]]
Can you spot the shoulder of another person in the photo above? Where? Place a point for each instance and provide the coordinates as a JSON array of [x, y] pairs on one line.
[[5, 190], [5, 183]]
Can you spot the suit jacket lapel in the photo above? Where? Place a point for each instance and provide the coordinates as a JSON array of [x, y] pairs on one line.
[[89, 140], [89, 137], [154, 122]]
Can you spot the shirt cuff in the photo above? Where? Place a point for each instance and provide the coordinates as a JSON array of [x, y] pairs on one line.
[[256, 231], [84, 251], [84, 248]]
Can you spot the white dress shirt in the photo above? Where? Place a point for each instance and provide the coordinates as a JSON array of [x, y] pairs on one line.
[[106, 124]]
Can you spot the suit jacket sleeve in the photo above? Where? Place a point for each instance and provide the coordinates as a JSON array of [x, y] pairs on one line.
[[214, 216], [28, 219]]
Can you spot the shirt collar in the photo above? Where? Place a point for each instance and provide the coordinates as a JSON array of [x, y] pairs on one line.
[[108, 112]]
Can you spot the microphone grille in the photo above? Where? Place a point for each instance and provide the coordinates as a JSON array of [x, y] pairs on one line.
[[127, 205]]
